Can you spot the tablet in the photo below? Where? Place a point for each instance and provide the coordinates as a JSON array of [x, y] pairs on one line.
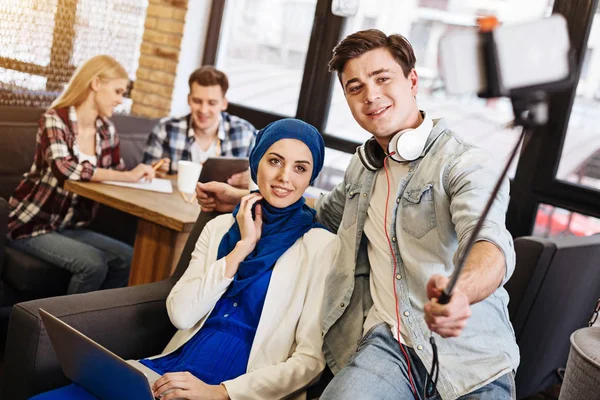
[[219, 169]]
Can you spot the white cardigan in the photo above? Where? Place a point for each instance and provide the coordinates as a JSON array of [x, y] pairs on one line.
[[286, 354]]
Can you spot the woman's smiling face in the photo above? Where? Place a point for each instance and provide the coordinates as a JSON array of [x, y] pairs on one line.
[[284, 172]]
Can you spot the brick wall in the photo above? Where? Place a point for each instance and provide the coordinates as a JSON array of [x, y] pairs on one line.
[[161, 43]]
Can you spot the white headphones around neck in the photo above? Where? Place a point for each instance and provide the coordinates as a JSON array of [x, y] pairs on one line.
[[406, 145]]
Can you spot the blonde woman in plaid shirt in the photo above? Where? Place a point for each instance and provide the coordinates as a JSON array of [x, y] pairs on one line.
[[75, 141]]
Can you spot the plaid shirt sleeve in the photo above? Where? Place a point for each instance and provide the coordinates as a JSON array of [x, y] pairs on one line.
[[242, 135], [155, 143], [55, 144]]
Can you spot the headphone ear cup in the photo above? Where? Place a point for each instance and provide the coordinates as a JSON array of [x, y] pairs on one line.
[[410, 145], [394, 146], [371, 155]]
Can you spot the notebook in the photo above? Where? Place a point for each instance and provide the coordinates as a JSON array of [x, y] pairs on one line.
[[156, 185]]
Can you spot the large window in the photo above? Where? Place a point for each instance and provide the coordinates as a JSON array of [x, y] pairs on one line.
[[476, 120], [43, 41], [580, 159], [262, 48]]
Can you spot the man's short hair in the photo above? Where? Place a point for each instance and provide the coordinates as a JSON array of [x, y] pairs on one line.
[[209, 76], [359, 43]]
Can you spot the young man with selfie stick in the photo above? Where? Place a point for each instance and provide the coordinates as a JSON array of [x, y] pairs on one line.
[[407, 209]]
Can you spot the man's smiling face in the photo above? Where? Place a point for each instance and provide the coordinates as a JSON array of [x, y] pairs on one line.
[[380, 97]]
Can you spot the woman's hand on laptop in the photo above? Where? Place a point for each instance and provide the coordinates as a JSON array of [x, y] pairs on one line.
[[184, 385]]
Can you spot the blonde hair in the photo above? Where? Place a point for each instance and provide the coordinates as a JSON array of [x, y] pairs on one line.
[[78, 88]]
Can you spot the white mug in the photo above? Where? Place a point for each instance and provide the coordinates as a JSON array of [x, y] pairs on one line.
[[187, 176]]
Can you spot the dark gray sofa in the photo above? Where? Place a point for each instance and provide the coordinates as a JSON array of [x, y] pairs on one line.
[[552, 294]]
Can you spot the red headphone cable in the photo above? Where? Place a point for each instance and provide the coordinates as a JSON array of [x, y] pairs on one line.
[[387, 177]]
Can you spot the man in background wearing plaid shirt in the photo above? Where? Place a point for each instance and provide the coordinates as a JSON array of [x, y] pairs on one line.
[[208, 131]]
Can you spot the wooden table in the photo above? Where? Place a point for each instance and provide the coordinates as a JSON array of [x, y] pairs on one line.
[[165, 222]]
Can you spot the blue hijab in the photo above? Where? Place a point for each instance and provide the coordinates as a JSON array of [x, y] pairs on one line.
[[281, 226]]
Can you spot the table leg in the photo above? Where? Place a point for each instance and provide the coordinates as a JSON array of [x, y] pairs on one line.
[[155, 253]]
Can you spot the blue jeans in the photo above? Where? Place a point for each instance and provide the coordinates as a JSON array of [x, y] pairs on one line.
[[94, 260], [378, 371]]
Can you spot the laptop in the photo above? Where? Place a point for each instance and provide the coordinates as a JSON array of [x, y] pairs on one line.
[[96, 369]]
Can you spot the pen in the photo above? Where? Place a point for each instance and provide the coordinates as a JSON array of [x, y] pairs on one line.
[[158, 164]]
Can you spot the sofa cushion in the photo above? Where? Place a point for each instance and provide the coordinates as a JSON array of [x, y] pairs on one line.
[[20, 139], [29, 274], [3, 229], [132, 148], [133, 133], [559, 298]]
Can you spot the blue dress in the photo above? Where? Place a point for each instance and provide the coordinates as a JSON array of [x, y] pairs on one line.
[[219, 351]]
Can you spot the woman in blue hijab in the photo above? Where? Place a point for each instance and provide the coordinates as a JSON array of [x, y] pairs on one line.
[[248, 306]]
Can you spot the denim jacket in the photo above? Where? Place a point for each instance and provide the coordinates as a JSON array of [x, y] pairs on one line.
[[437, 207]]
